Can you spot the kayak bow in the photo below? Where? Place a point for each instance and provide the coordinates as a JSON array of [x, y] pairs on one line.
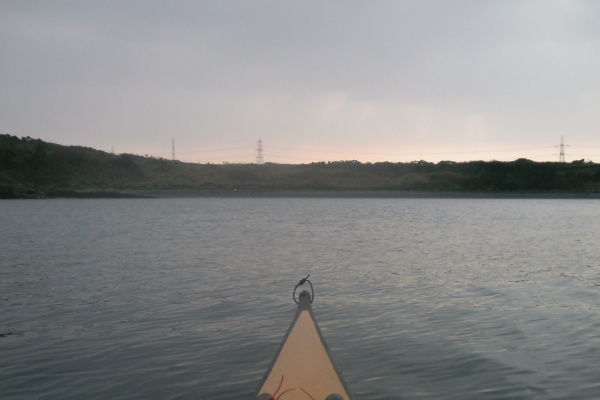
[[303, 368]]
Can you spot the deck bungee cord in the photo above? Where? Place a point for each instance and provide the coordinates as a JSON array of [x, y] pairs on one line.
[[302, 282]]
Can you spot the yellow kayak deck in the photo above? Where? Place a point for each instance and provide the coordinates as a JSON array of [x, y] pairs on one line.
[[303, 368]]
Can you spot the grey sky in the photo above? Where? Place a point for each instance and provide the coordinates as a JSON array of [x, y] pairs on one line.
[[315, 80]]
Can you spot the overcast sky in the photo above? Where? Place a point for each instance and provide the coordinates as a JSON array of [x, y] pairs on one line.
[[315, 80]]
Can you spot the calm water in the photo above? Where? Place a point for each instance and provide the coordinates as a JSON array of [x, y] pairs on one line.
[[189, 298]]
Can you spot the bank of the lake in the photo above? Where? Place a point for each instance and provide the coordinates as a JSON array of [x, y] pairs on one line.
[[31, 168], [333, 194]]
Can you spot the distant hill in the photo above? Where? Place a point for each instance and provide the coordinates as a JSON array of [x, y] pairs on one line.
[[31, 166]]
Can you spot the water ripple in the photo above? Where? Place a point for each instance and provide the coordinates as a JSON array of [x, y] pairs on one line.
[[189, 298]]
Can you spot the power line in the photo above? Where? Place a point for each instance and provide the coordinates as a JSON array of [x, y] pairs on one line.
[[215, 150], [306, 152], [207, 151], [416, 153], [583, 155]]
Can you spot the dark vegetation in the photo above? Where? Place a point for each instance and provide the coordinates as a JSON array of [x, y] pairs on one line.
[[34, 168]]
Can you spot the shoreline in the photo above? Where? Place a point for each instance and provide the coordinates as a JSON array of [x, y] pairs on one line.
[[351, 194], [313, 194]]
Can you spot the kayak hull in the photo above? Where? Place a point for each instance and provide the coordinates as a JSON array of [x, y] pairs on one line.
[[303, 368]]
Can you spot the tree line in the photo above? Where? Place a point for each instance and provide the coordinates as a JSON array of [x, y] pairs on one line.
[[31, 165]]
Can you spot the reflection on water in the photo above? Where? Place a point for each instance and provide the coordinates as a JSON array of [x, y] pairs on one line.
[[189, 298]]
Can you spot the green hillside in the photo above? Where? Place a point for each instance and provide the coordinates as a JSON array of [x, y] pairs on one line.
[[32, 165]]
